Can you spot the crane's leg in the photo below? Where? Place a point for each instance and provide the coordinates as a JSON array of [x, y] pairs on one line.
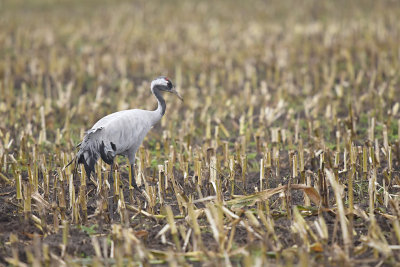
[[134, 179], [131, 158], [111, 199]]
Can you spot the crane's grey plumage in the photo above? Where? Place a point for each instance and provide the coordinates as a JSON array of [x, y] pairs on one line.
[[122, 132]]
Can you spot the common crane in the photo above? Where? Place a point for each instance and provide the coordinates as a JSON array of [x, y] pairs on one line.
[[121, 133]]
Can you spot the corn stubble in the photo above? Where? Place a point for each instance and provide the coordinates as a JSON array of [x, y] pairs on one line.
[[285, 151]]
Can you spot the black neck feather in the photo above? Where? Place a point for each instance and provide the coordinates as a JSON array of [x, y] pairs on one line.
[[160, 99]]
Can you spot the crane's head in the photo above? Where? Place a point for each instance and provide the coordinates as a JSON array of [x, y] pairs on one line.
[[162, 83]]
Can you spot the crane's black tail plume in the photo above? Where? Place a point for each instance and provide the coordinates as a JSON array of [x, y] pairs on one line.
[[88, 163], [88, 158], [91, 149], [87, 155]]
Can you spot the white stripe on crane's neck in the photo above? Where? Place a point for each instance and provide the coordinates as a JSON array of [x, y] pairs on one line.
[[159, 112]]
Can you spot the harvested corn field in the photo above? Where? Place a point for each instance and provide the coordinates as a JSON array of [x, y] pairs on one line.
[[285, 151]]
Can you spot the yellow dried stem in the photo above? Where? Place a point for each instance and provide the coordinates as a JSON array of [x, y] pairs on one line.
[[276, 161], [365, 160], [46, 180], [269, 225], [168, 172], [27, 198], [83, 175], [321, 160], [351, 200], [243, 145], [306, 198], [65, 233], [4, 178], [213, 178], [294, 167], [177, 191], [336, 161], [300, 227], [226, 154], [210, 153], [214, 216], [377, 155], [161, 184], [116, 182], [61, 200], [174, 231], [185, 170], [30, 176], [194, 224], [153, 198], [172, 156], [18, 184], [96, 246], [396, 228], [122, 206], [301, 155], [371, 132], [231, 235], [35, 173], [243, 161], [322, 229], [353, 155], [252, 219], [262, 173], [140, 171], [372, 191], [100, 180], [371, 157], [341, 212]]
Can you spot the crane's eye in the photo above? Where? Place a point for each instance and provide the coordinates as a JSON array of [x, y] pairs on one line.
[[169, 84]]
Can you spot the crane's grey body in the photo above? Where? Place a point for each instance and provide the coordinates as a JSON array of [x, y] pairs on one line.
[[121, 133], [127, 129]]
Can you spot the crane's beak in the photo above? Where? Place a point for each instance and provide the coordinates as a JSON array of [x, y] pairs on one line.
[[176, 93]]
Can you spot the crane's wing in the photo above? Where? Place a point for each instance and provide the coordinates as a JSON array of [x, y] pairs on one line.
[[92, 147]]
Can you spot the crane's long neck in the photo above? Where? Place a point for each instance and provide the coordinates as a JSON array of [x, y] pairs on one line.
[[159, 112]]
